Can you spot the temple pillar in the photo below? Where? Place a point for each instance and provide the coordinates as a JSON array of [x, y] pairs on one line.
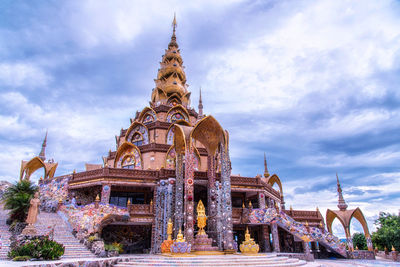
[[179, 185], [261, 200], [369, 242], [212, 198], [349, 240], [275, 237], [227, 227], [105, 193], [307, 252], [265, 238], [189, 193]]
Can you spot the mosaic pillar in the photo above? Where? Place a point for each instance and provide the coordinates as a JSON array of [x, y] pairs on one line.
[[178, 221], [306, 249], [189, 193], [275, 237], [105, 194], [261, 200], [349, 240], [265, 238], [227, 227], [369, 242], [218, 189], [212, 199], [154, 231]]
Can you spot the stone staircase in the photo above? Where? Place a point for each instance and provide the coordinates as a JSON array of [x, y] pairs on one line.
[[63, 235], [215, 260], [4, 234]]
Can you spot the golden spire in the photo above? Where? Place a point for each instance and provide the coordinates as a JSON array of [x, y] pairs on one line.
[[169, 229], [174, 23], [266, 173], [393, 249], [201, 218], [97, 197]]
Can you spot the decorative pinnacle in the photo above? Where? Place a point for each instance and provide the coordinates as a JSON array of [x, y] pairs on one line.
[[266, 173], [200, 106], [42, 154], [173, 42], [341, 203], [174, 23]]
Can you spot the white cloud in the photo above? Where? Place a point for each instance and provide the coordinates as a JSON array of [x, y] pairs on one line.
[[23, 74]]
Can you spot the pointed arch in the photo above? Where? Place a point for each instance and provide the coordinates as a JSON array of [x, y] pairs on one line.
[[146, 111], [274, 179], [137, 127], [357, 214], [29, 167], [169, 137], [330, 217], [158, 95], [127, 149], [186, 97], [210, 133], [177, 109], [50, 169], [174, 96]]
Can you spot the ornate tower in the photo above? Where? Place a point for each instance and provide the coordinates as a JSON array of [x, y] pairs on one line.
[[266, 173], [200, 107], [171, 84]]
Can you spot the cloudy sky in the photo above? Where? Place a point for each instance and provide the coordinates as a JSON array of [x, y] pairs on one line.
[[314, 84]]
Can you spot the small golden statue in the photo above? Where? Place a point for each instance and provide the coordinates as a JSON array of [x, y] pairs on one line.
[[201, 218], [180, 238], [249, 246], [169, 229]]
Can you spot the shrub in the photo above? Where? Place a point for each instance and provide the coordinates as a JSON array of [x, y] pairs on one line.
[[38, 247], [119, 247]]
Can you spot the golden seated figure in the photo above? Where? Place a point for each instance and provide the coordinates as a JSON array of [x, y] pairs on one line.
[[249, 246]]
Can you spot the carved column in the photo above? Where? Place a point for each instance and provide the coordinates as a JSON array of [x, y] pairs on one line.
[[227, 227], [189, 193], [349, 239], [369, 242], [275, 237], [212, 198], [265, 238], [178, 222], [306, 248], [261, 200], [105, 193]]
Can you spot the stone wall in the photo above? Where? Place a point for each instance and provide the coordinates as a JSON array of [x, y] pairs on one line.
[[361, 254]]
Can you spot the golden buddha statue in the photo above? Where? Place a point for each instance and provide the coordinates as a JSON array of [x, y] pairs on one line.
[[180, 238], [201, 218], [249, 246]]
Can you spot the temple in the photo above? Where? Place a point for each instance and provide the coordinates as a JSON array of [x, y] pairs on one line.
[[165, 163]]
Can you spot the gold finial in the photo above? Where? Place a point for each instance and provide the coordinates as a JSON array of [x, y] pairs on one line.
[[74, 171], [243, 206], [306, 223], [321, 225], [356, 247], [250, 205], [129, 201], [151, 202], [201, 218], [174, 23], [169, 229], [97, 197], [393, 249], [180, 237]]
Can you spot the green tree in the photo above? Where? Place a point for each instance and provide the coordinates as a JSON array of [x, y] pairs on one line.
[[359, 241], [388, 231], [17, 198]]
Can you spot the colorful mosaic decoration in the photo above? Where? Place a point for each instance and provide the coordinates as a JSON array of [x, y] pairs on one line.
[[170, 161], [149, 117], [176, 116], [138, 131], [87, 219], [56, 190], [130, 159]]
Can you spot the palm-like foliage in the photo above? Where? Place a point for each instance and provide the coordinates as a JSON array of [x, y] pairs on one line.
[[17, 199]]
